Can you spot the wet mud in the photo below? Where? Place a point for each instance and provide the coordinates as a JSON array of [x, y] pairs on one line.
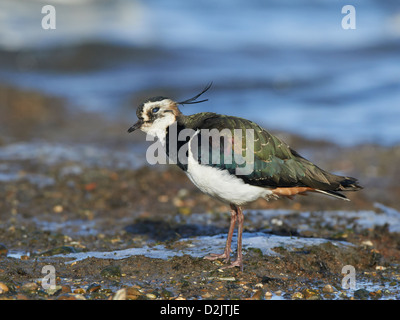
[[78, 195]]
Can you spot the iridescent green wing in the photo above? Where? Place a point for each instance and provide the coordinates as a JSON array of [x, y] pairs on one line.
[[255, 155]]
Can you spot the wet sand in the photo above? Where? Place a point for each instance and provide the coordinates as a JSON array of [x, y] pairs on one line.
[[74, 184]]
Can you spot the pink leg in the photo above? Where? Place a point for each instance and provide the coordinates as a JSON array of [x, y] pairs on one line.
[[239, 259], [227, 251]]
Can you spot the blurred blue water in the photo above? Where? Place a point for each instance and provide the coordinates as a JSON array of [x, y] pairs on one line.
[[288, 65]]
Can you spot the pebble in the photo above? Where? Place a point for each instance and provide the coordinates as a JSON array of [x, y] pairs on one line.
[[297, 295], [53, 291], [151, 296], [66, 289], [59, 250], [79, 291], [58, 209], [66, 296], [3, 250], [93, 287], [222, 278], [165, 294], [328, 289], [361, 294], [268, 295], [257, 295], [376, 294], [185, 210], [3, 288], [120, 294], [29, 287], [367, 243], [310, 294], [132, 293], [111, 272]]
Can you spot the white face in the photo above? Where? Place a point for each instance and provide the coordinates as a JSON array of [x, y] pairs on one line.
[[157, 117]]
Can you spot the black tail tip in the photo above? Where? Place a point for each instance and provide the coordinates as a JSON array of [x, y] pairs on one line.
[[350, 184]]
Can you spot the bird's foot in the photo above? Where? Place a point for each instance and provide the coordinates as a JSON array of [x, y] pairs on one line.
[[216, 256], [236, 263]]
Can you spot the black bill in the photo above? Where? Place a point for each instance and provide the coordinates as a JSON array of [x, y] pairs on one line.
[[136, 126]]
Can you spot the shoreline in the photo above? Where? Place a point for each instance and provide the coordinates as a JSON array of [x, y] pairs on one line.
[[76, 183]]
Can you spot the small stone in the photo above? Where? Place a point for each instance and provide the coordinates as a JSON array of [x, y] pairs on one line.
[[297, 295], [182, 193], [120, 294], [151, 296], [328, 289], [79, 291], [386, 292], [361, 294], [165, 294], [310, 294], [185, 210], [376, 294], [93, 287], [66, 289], [268, 295], [257, 295], [59, 250], [29, 287], [3, 250], [58, 209], [111, 272], [278, 293], [227, 279], [66, 296], [54, 290], [131, 291], [367, 243], [163, 198], [3, 288]]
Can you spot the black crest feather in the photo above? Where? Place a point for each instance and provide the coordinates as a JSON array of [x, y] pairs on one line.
[[193, 100]]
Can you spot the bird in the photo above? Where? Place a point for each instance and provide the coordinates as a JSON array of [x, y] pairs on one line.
[[277, 170]]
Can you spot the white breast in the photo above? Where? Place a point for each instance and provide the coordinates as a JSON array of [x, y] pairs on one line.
[[223, 185]]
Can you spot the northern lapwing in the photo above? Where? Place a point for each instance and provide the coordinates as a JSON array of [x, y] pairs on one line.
[[276, 169]]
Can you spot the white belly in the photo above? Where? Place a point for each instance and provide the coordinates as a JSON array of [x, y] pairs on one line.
[[222, 185]]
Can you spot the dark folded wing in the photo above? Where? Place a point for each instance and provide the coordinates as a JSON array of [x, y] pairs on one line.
[[258, 157]]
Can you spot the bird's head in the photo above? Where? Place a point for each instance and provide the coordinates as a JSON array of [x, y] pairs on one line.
[[155, 114], [158, 113]]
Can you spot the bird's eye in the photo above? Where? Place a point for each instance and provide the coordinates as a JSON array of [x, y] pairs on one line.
[[155, 110]]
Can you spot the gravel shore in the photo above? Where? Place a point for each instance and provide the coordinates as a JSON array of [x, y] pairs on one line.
[[78, 195]]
